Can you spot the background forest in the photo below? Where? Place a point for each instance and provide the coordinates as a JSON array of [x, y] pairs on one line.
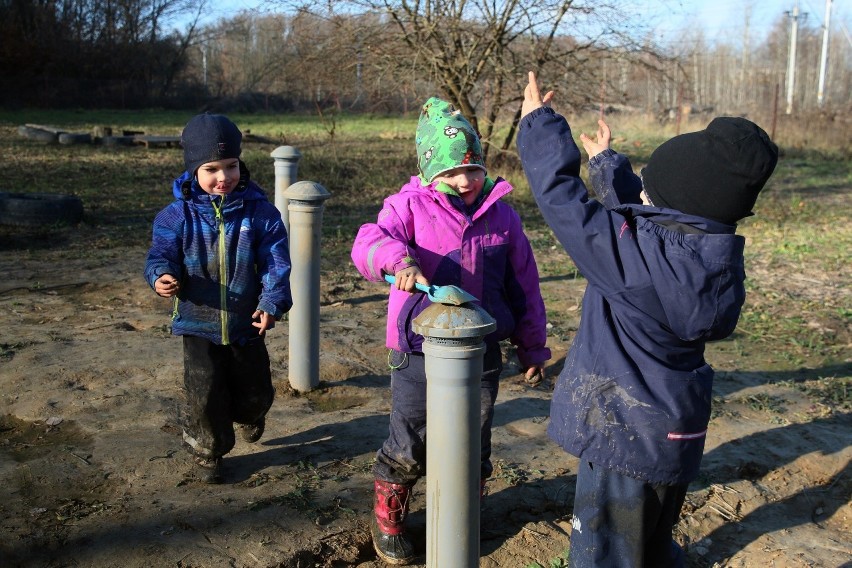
[[387, 56]]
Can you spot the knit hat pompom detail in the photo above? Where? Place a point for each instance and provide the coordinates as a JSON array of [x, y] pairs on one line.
[[209, 138], [716, 173], [445, 140]]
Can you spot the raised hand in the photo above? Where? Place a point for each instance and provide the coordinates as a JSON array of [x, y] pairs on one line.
[[595, 147], [533, 98]]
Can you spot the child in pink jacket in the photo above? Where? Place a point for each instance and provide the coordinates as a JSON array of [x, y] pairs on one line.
[[446, 226]]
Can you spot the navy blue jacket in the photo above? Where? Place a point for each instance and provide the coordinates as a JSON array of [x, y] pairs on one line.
[[231, 256], [635, 392]]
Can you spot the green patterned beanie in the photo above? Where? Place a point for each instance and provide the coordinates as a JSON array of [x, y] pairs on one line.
[[445, 140]]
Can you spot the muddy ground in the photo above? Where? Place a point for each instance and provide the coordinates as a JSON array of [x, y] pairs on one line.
[[92, 472]]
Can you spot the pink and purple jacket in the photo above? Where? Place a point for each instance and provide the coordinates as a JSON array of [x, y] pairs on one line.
[[487, 254]]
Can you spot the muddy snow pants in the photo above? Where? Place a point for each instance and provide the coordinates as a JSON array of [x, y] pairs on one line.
[[623, 522], [223, 384], [402, 458]]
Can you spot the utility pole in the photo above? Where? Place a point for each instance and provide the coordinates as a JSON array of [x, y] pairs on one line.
[[791, 56], [744, 68], [823, 60], [204, 62]]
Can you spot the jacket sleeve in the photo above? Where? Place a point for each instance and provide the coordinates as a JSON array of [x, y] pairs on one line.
[[613, 180], [530, 333], [383, 247], [166, 253], [273, 263], [602, 243]]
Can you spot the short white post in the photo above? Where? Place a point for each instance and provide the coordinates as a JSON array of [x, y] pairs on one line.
[[286, 161], [305, 201]]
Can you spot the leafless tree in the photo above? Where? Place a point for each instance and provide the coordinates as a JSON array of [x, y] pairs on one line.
[[477, 52]]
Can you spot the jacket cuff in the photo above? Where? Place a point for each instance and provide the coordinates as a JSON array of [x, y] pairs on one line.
[[271, 309], [527, 120], [596, 160], [404, 263], [535, 357]]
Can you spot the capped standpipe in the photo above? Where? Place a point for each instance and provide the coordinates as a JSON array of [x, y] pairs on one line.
[[286, 163], [454, 351], [305, 201]]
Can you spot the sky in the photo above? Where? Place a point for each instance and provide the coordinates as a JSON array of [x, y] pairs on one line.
[[720, 18], [669, 18]]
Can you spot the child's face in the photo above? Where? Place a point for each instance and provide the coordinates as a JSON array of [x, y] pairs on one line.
[[466, 180], [219, 177]]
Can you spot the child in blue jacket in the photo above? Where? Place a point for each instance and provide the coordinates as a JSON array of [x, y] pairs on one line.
[[220, 251], [665, 275]]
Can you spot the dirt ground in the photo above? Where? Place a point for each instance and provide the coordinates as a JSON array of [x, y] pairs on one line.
[[92, 472]]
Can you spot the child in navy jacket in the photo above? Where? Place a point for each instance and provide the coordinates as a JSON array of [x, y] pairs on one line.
[[665, 275]]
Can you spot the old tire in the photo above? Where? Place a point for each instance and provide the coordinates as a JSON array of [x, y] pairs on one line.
[[39, 209]]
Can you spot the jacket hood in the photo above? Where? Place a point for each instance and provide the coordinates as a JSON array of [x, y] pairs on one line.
[[698, 279]]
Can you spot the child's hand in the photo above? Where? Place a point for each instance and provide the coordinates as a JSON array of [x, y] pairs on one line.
[[167, 286], [408, 277], [534, 375], [533, 98], [264, 323], [593, 148]]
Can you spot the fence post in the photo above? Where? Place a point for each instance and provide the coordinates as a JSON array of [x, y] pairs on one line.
[[305, 201]]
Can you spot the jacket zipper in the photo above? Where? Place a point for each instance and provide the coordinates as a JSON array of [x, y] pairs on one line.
[[223, 270]]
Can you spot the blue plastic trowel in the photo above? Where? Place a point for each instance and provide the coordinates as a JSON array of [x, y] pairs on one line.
[[450, 295]]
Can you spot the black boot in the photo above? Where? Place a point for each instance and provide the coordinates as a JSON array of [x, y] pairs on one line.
[[388, 523], [251, 433]]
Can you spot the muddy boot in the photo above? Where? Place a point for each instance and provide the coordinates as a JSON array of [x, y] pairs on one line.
[[251, 433], [208, 470], [387, 524]]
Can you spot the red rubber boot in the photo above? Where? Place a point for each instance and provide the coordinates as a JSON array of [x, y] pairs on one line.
[[387, 525]]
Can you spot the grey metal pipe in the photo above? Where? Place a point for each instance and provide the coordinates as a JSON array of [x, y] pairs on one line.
[[453, 350], [286, 162], [305, 201]]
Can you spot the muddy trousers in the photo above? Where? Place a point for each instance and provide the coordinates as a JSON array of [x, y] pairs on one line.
[[223, 384], [402, 458], [623, 522]]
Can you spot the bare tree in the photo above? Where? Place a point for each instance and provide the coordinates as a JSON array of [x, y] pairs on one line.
[[477, 52]]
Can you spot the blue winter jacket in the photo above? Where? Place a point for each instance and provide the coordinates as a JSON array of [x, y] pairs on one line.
[[231, 256], [635, 392]]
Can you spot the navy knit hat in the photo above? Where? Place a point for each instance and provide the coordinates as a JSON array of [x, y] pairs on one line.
[[209, 138], [715, 173]]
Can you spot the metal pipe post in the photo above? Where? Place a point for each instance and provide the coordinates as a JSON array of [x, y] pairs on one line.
[[453, 350], [305, 201], [286, 161]]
